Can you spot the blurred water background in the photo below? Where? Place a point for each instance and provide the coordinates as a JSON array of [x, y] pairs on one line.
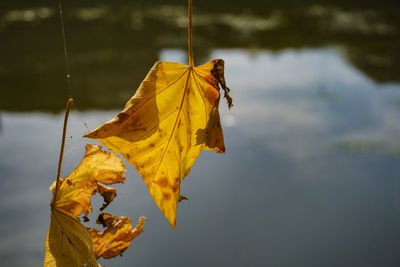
[[311, 172]]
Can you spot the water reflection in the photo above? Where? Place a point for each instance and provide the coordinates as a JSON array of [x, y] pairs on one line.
[[301, 184]]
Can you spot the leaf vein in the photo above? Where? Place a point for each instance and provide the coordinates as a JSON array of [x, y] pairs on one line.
[[173, 129]]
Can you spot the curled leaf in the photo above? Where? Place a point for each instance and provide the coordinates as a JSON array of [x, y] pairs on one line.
[[68, 242], [97, 167], [164, 126], [117, 237], [218, 73]]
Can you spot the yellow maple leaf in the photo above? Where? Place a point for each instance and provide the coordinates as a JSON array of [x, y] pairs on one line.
[[164, 126], [68, 242], [170, 119]]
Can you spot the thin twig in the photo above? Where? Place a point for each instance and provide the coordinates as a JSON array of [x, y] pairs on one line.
[[67, 109], [190, 50], [67, 68], [67, 61]]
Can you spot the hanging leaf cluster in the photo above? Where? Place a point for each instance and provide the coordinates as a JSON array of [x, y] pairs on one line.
[[161, 131], [68, 242]]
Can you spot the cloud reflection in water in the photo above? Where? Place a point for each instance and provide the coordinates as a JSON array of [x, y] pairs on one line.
[[283, 195]]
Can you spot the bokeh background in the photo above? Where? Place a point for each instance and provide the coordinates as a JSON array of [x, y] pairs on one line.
[[311, 172]]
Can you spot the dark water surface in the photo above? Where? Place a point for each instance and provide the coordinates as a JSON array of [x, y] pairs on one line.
[[311, 172]]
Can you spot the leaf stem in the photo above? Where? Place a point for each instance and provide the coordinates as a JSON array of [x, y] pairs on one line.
[[67, 109], [190, 50]]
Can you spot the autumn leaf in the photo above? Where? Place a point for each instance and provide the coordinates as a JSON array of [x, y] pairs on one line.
[[68, 242], [117, 237], [170, 119], [96, 167], [164, 126]]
